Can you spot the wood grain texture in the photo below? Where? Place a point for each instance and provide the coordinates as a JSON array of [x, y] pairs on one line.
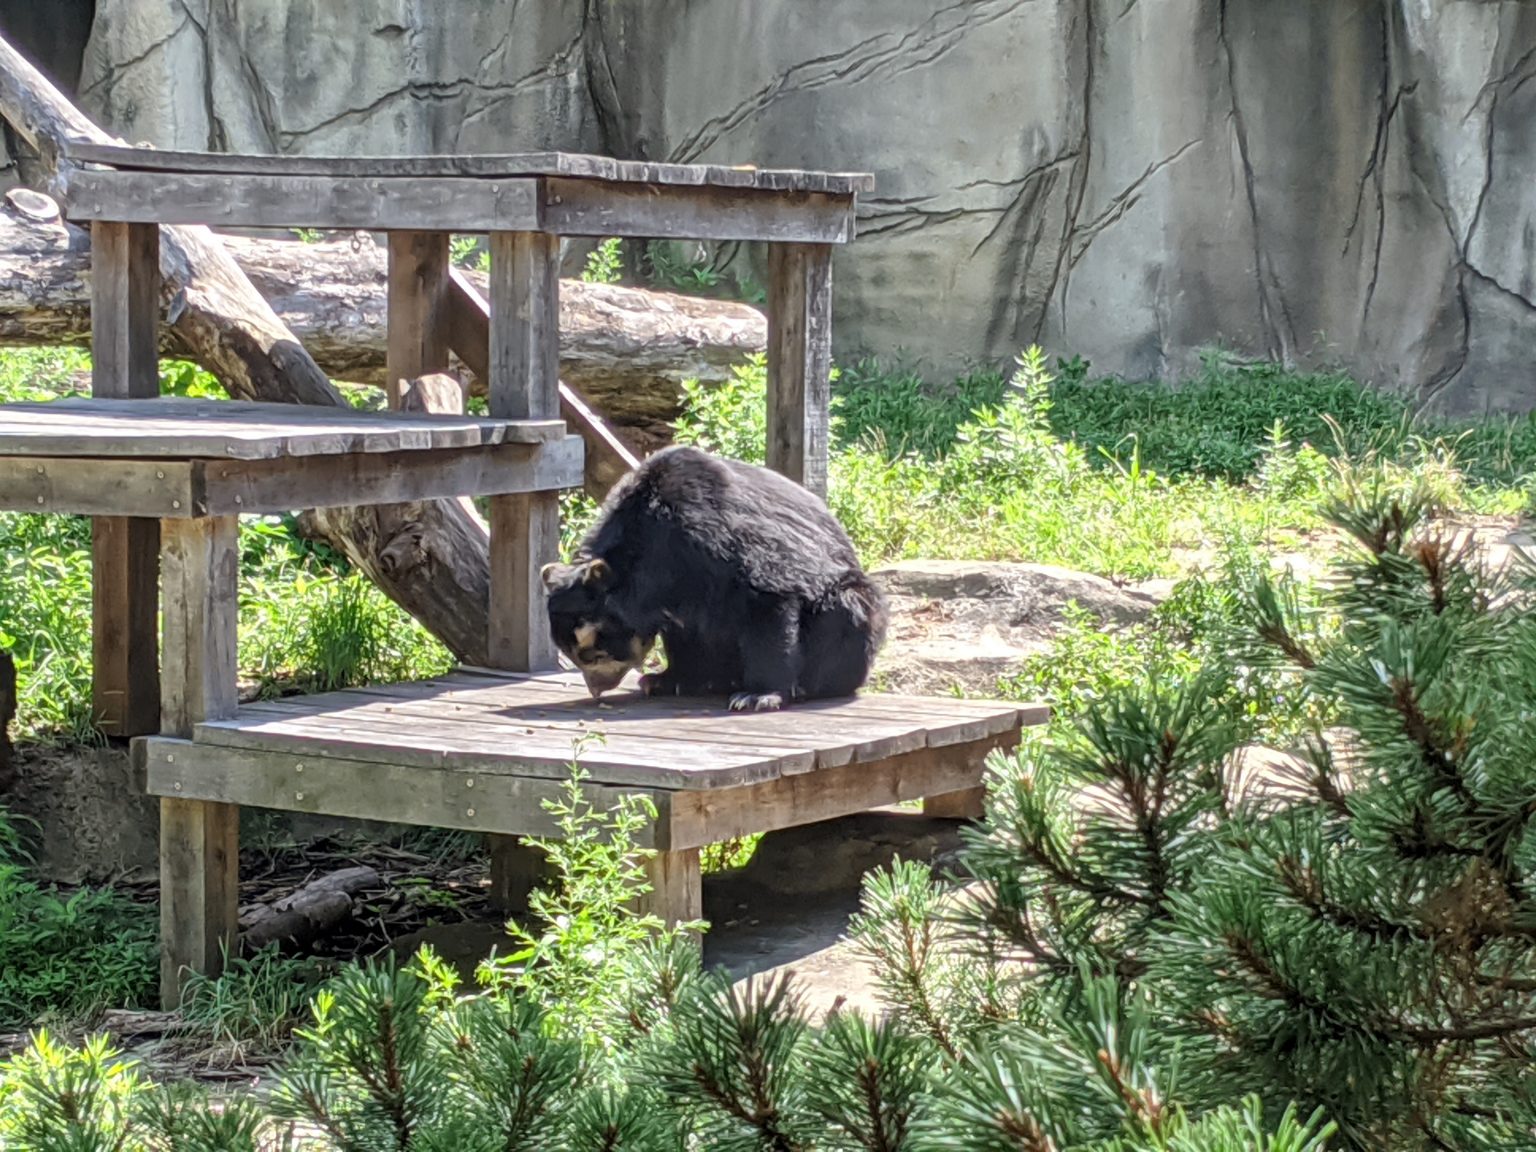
[[799, 362], [175, 489], [516, 870], [471, 165], [523, 384], [281, 201], [440, 797], [176, 427], [970, 804], [590, 208], [418, 289], [199, 841], [125, 312], [677, 887]]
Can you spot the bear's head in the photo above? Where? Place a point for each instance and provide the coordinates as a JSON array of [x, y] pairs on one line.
[[589, 624]]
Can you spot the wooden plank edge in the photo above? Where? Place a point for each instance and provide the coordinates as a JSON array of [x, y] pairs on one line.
[[189, 770]]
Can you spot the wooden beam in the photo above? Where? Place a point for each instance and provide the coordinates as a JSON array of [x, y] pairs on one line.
[[418, 287], [295, 780], [467, 321], [125, 320], [523, 382], [799, 362], [287, 202], [660, 212], [199, 841]]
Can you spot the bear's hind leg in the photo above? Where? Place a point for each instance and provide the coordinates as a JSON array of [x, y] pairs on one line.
[[691, 670], [769, 647]]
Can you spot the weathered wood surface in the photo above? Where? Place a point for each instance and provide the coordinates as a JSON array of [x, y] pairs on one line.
[[250, 201], [799, 362], [624, 352], [176, 489], [199, 840], [438, 568], [125, 553], [488, 166], [439, 797], [177, 427], [418, 289], [530, 725], [307, 914], [589, 208]]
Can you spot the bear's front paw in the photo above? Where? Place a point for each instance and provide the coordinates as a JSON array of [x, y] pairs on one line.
[[754, 702]]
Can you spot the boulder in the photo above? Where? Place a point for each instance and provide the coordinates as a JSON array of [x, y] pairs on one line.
[[960, 622]]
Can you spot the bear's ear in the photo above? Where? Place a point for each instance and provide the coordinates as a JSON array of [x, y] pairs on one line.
[[597, 574], [550, 574]]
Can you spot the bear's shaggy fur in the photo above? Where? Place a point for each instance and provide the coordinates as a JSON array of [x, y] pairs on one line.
[[750, 583]]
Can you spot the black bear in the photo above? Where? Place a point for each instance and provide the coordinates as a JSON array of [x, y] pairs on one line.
[[750, 583]]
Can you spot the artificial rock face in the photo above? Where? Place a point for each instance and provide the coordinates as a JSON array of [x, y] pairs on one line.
[[1335, 183]]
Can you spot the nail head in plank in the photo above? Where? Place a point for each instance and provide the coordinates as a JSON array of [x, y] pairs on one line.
[[286, 202]]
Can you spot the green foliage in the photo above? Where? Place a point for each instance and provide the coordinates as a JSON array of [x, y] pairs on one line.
[[251, 1008], [578, 960], [50, 939], [469, 252], [605, 263]]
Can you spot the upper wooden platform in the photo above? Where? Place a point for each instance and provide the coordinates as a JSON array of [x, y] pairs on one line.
[[174, 457], [478, 749], [553, 192]]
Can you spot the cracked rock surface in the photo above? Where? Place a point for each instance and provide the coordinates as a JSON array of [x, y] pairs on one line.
[[1338, 184]]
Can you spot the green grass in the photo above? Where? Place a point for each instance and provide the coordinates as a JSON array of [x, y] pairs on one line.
[[1127, 480]]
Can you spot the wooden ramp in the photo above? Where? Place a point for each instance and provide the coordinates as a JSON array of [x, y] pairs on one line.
[[480, 750]]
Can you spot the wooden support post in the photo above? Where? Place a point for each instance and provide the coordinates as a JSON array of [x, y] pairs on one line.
[[125, 316], [677, 890], [967, 805], [799, 361], [199, 840], [418, 286], [522, 382]]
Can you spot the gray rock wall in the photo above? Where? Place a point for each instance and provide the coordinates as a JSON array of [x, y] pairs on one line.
[[1331, 181]]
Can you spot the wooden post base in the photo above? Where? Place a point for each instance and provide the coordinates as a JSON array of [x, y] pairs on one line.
[[516, 870], [677, 887], [199, 891]]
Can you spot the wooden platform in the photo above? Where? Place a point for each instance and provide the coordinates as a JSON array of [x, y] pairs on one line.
[[481, 750]]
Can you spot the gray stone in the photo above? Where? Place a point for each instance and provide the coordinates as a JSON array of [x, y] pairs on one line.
[[92, 820], [966, 623], [1331, 183]]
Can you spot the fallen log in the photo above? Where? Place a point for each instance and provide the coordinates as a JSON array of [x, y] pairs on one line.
[[307, 914], [626, 350], [225, 324]]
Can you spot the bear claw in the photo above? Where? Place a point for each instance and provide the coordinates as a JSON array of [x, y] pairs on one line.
[[754, 702]]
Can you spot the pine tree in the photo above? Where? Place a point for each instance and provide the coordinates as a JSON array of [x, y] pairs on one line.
[[1356, 933]]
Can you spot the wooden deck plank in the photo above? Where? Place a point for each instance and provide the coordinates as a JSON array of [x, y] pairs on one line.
[[175, 427], [449, 797], [838, 731], [804, 748], [177, 489], [534, 752], [482, 166], [263, 200]]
